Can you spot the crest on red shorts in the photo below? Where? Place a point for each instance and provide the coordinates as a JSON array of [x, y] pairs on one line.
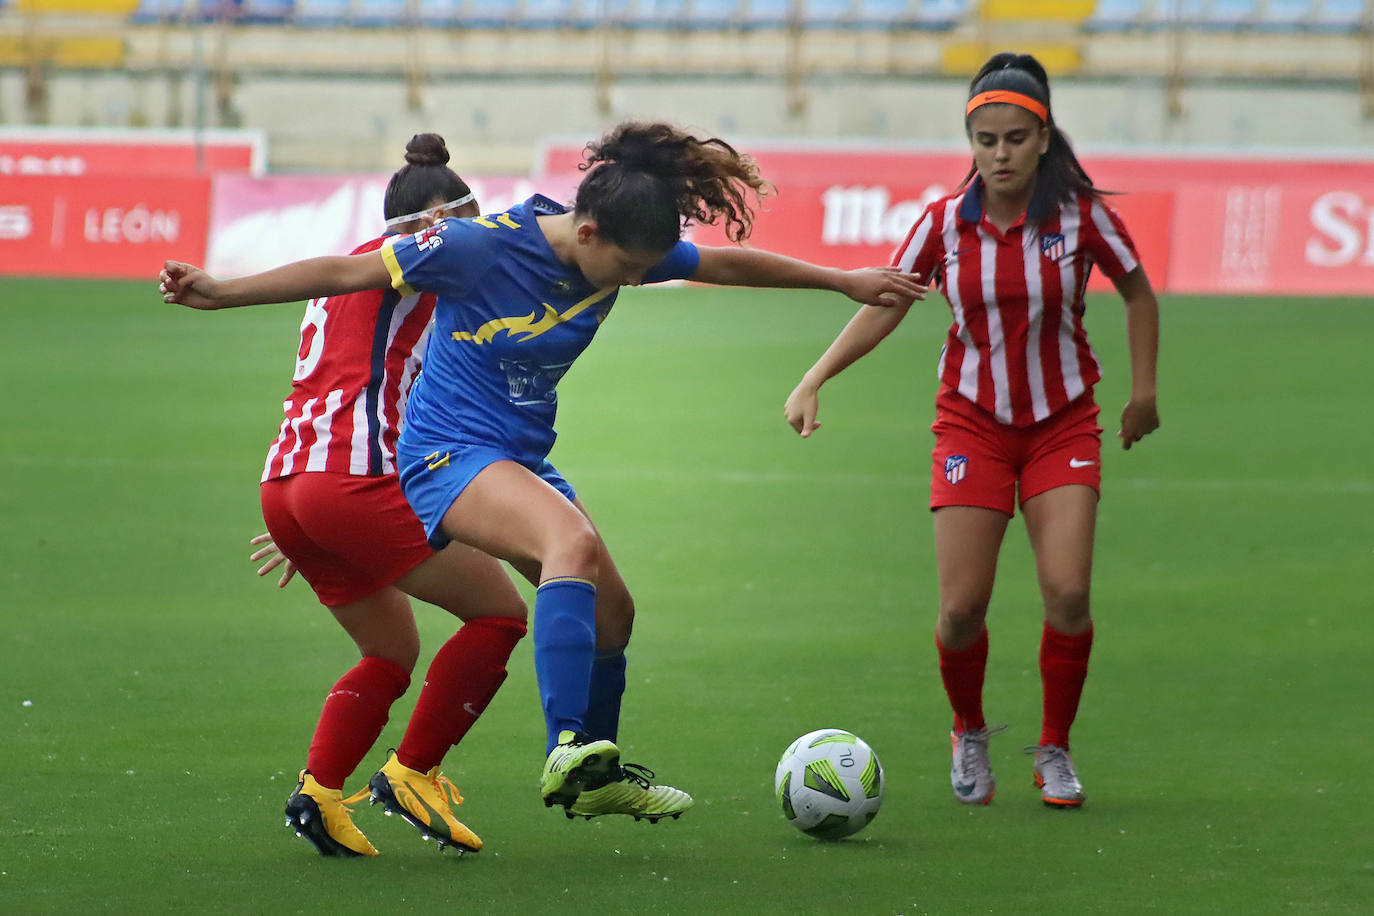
[[956, 468]]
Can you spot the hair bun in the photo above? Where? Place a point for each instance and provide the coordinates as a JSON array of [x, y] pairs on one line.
[[427, 149]]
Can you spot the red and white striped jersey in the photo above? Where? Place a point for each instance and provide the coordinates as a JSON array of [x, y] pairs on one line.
[[359, 355], [1017, 347]]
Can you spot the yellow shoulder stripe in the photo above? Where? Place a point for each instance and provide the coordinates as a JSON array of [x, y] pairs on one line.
[[393, 267]]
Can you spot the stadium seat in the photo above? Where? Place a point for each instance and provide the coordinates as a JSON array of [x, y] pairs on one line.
[[1339, 16], [943, 14], [323, 13], [768, 14], [440, 14], [159, 11], [714, 14], [1231, 14], [1180, 12], [826, 14], [657, 14], [1116, 16], [889, 14], [1287, 15], [168, 11], [380, 14], [487, 14], [268, 12]]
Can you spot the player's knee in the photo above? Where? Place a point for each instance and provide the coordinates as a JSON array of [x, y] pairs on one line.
[[575, 552], [963, 617], [399, 651], [1066, 603]]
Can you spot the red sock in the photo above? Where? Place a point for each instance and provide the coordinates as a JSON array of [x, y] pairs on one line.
[[962, 671], [461, 681], [352, 718], [1063, 668]]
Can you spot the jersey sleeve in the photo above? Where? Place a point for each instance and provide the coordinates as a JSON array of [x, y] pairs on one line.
[[923, 249], [444, 259], [680, 263], [1107, 241]]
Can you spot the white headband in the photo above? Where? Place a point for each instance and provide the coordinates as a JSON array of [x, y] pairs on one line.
[[451, 205]]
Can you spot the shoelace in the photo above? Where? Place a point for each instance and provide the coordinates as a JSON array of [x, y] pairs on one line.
[[441, 785], [1055, 757], [983, 766], [361, 795], [637, 774]]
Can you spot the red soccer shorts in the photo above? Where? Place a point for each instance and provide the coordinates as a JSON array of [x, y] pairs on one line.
[[980, 462], [349, 536]]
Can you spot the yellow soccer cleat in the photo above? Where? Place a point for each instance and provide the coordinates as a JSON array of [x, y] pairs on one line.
[[321, 816], [572, 764], [629, 790], [423, 799]]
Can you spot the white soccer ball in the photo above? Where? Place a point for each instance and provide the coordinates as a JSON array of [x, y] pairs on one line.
[[829, 784]]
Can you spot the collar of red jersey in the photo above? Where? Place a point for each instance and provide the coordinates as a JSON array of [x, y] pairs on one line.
[[971, 207]]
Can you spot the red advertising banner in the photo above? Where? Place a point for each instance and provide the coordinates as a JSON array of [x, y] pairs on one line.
[[1202, 223], [100, 227], [1275, 238], [58, 151], [259, 223]]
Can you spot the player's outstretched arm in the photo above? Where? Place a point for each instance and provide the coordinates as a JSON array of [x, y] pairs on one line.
[[864, 332], [1141, 414], [188, 285], [728, 266]]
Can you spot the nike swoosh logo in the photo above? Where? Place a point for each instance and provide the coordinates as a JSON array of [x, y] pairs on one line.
[[1078, 463], [467, 708], [965, 788]]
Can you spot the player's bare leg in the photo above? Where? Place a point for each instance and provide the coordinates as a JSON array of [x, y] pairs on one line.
[[1061, 523], [967, 541]]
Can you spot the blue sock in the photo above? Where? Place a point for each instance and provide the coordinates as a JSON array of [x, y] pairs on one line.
[[603, 703], [564, 646]]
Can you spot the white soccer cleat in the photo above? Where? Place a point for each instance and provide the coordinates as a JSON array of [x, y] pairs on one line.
[[970, 775], [1055, 776]]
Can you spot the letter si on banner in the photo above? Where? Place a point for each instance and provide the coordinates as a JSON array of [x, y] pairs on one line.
[[100, 226], [1303, 238]]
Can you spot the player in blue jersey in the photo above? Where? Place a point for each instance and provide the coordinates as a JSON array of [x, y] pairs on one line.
[[520, 296]]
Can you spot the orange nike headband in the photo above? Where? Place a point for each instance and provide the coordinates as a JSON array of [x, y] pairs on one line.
[[1008, 98]]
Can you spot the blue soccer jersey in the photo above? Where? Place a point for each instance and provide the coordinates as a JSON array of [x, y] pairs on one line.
[[509, 322]]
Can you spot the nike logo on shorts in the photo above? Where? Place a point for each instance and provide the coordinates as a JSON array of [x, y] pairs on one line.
[[1080, 463]]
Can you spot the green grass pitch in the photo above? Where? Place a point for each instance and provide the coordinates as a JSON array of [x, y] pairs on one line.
[[156, 699]]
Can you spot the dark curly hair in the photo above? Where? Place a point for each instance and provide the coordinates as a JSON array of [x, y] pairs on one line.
[[645, 181]]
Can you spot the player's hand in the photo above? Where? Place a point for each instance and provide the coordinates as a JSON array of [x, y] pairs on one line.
[[277, 558], [801, 407], [1139, 418], [884, 286], [188, 285]]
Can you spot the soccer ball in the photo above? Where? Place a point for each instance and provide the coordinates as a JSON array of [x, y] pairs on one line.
[[829, 784]]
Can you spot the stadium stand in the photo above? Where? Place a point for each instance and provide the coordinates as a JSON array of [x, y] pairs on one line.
[[1342, 15], [1116, 15]]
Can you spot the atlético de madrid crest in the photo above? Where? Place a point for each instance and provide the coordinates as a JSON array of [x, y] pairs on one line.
[[1052, 245], [956, 468]]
